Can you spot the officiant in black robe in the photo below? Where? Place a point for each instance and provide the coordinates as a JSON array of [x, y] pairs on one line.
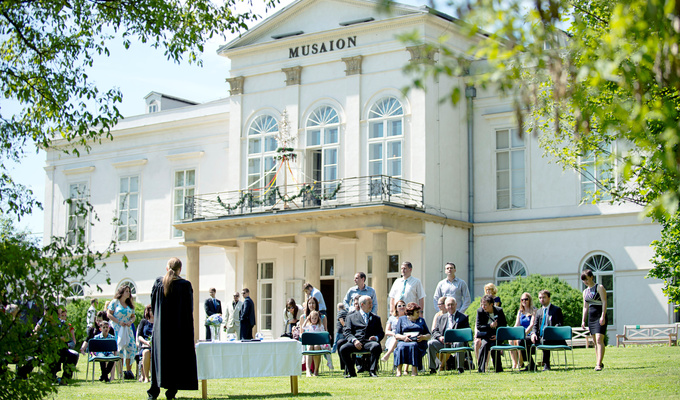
[[173, 355]]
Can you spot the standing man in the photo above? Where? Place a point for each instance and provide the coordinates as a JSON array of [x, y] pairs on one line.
[[232, 316], [91, 313], [212, 306], [247, 315], [407, 288], [548, 315], [361, 289], [452, 319], [363, 331], [310, 291], [453, 287]]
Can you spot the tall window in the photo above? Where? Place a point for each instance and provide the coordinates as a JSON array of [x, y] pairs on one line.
[[385, 138], [128, 208], [322, 131], [603, 270], [262, 153], [510, 270], [327, 268], [510, 170], [185, 184], [77, 220], [266, 284], [393, 270], [596, 175]]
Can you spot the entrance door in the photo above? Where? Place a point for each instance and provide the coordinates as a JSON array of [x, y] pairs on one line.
[[328, 291]]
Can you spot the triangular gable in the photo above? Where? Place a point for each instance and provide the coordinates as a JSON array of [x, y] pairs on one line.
[[311, 16]]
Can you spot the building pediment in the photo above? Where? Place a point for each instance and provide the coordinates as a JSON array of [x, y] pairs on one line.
[[304, 17]]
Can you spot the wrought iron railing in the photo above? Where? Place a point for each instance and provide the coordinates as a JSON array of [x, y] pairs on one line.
[[377, 189]]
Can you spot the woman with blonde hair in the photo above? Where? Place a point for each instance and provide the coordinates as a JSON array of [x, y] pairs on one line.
[[526, 317], [391, 342], [489, 289]]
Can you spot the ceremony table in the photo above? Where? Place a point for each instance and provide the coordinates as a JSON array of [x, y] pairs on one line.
[[236, 359]]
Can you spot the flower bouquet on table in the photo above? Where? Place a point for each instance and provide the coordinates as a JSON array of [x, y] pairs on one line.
[[214, 321]]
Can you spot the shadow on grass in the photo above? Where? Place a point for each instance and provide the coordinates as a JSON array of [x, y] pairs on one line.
[[268, 396]]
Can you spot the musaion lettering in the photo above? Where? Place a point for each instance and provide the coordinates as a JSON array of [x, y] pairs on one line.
[[322, 47]]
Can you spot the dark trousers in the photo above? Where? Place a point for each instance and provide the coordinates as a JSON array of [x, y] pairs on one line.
[[484, 355], [155, 390], [207, 332], [346, 356], [246, 330], [69, 360], [106, 367], [546, 354]]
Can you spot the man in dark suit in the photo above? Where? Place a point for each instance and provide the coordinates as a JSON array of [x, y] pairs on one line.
[[489, 319], [212, 306], [548, 315], [247, 316], [453, 319], [363, 332]]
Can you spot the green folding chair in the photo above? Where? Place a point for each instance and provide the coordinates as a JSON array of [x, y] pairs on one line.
[[506, 333], [315, 338], [454, 336], [554, 333]]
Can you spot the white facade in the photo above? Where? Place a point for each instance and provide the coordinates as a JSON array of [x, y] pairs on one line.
[[342, 100]]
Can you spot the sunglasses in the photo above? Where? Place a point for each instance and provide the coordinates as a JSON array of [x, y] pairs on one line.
[[401, 305], [525, 299]]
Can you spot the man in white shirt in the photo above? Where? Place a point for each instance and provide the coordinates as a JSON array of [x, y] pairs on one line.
[[453, 287], [91, 313], [407, 288], [232, 314]]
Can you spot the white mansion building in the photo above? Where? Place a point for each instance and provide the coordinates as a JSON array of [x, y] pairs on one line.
[[318, 166]]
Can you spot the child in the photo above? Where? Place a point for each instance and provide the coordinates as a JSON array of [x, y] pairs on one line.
[[106, 367], [313, 324]]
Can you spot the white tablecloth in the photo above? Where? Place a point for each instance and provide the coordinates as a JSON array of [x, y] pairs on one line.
[[220, 360]]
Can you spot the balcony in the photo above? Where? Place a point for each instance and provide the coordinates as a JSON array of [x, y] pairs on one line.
[[349, 192]]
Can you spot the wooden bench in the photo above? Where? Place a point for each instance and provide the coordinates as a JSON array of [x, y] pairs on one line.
[[643, 334], [581, 337]]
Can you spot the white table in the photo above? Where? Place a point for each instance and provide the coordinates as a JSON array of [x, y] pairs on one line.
[[220, 360]]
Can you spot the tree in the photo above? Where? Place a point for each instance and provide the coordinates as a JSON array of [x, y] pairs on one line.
[[47, 49], [594, 79]]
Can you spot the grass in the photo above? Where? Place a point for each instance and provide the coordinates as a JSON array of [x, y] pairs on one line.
[[635, 372]]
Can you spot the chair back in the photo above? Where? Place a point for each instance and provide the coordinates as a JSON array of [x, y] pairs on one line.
[[310, 338], [458, 335], [557, 333], [102, 345], [510, 333]]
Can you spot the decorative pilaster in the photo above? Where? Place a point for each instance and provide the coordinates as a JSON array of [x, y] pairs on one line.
[[380, 261], [236, 85], [293, 75], [352, 65], [422, 54], [193, 274]]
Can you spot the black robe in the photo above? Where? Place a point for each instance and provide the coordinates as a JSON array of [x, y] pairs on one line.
[[173, 355]]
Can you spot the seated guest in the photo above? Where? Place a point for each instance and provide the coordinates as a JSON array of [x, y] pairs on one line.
[[526, 316], [67, 357], [412, 334], [342, 340], [94, 330], [489, 289], [453, 319], [548, 315], [106, 366], [144, 332], [363, 332], [312, 305], [441, 310], [489, 319], [391, 342], [313, 324], [339, 325]]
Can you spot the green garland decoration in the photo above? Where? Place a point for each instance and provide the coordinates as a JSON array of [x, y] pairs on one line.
[[286, 153], [307, 189]]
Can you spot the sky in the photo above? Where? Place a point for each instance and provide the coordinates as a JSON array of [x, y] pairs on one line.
[[138, 71]]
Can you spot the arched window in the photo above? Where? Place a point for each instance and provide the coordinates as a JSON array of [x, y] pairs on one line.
[[385, 139], [603, 270], [322, 132], [76, 290], [130, 284], [510, 270], [262, 153]]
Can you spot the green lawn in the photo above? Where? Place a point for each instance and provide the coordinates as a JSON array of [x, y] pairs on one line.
[[636, 372]]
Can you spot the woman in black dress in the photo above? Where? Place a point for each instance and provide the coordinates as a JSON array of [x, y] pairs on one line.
[[595, 310]]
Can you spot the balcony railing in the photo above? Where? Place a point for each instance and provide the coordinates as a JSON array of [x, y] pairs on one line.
[[377, 189]]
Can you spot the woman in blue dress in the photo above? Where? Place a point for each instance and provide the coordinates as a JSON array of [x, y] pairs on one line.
[[526, 317], [412, 335], [121, 312]]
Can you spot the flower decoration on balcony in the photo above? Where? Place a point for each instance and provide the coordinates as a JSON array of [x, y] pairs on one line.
[[249, 199], [286, 140], [215, 320]]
